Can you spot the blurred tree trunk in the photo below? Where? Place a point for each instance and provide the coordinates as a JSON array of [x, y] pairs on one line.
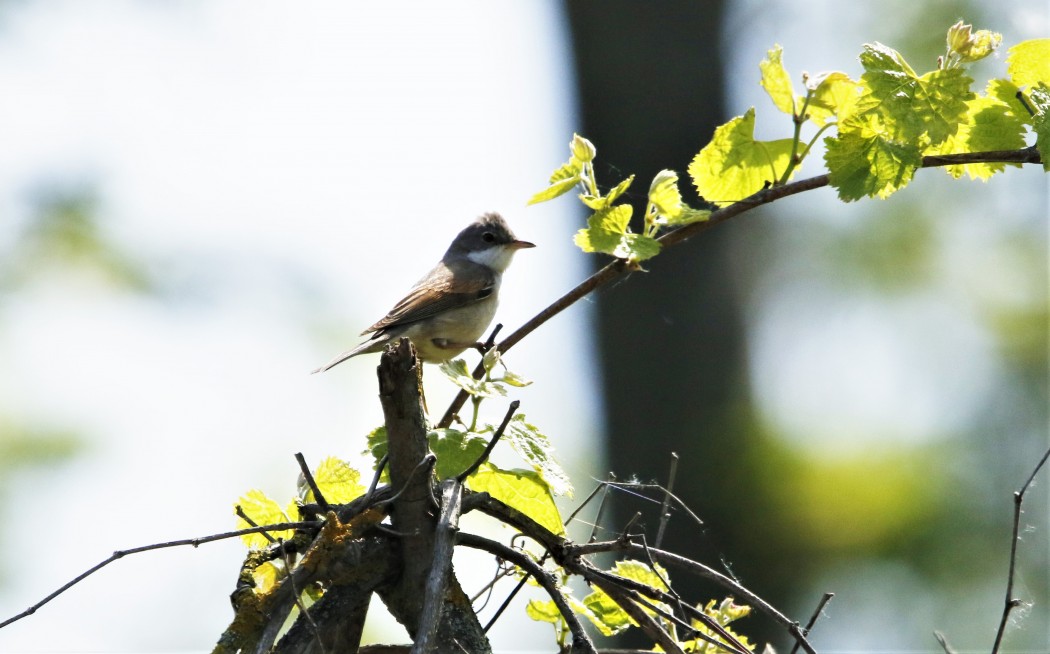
[[671, 343]]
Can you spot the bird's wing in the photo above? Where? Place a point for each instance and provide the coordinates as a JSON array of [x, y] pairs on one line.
[[439, 291]]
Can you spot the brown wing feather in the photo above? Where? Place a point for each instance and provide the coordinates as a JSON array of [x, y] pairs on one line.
[[443, 289]]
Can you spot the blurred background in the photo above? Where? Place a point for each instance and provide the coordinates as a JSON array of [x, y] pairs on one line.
[[200, 202]]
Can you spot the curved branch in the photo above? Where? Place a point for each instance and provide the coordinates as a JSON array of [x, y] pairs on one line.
[[619, 266], [580, 640]]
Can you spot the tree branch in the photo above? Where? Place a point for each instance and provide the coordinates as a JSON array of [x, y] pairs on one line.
[[581, 642], [618, 267]]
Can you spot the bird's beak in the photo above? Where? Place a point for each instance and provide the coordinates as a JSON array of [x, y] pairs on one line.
[[521, 245]]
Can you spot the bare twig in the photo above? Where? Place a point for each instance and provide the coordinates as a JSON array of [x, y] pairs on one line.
[[581, 641], [1011, 601], [192, 542], [601, 510], [492, 442], [239, 510], [648, 624], [665, 515], [318, 497], [375, 478], [444, 542], [813, 618]]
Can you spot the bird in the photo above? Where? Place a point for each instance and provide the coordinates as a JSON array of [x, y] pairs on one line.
[[449, 309]]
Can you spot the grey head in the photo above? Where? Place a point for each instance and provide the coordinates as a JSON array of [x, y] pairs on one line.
[[487, 241]]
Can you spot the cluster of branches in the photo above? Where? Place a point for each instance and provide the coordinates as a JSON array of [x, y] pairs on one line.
[[397, 540]]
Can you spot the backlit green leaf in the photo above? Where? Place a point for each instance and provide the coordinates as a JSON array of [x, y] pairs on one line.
[[536, 449], [1028, 62], [455, 451], [337, 481], [911, 105], [523, 490], [989, 125], [734, 165], [457, 372], [777, 82], [262, 511], [543, 611], [865, 163], [607, 200], [834, 96]]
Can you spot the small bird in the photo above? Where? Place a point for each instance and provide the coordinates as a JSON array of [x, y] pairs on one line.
[[449, 309]]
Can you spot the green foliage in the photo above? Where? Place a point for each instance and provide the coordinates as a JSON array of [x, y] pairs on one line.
[[608, 228], [725, 612], [262, 511], [524, 490], [734, 165]]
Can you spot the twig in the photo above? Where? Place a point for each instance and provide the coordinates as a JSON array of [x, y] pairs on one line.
[[618, 267], [251, 523], [193, 542], [375, 478], [444, 537], [318, 497], [813, 618], [665, 516], [492, 442], [1011, 601], [601, 510], [667, 493], [424, 465], [677, 561], [648, 624], [581, 641]]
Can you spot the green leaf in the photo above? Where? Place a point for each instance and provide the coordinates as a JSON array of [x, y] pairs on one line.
[[523, 490], [989, 125], [605, 614], [607, 232], [777, 82], [537, 451], [455, 451], [543, 611], [835, 95], [337, 481], [457, 372], [734, 165], [1040, 97], [607, 200], [641, 572], [1028, 62], [514, 379], [723, 614], [865, 163], [560, 187], [912, 106], [665, 196], [1006, 92], [969, 46], [263, 511]]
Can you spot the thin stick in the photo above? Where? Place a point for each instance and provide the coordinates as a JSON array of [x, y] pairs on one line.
[[665, 515], [251, 523], [318, 497], [1011, 601], [375, 478], [813, 618], [601, 510], [193, 542], [492, 443], [581, 642]]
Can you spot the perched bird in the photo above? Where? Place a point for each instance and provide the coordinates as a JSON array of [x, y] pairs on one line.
[[449, 309]]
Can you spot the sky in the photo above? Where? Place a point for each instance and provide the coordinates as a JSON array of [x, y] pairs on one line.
[[283, 174]]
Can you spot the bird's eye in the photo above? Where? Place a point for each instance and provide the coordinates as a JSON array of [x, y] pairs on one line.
[[488, 237]]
